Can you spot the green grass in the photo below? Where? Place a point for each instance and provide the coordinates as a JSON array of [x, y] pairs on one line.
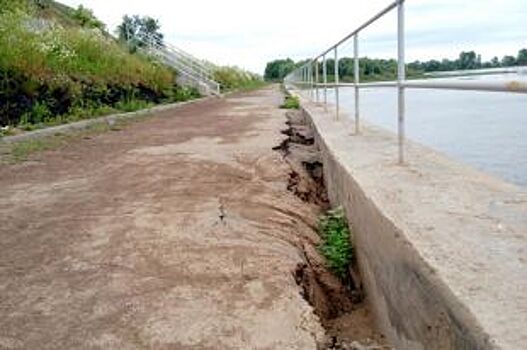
[[64, 56], [51, 74], [21, 151], [236, 79], [291, 102], [6, 131], [336, 244]]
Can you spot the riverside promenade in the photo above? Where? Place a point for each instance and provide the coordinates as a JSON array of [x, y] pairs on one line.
[[174, 232]]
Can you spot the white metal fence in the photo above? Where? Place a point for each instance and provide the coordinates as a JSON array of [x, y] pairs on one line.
[[307, 76]]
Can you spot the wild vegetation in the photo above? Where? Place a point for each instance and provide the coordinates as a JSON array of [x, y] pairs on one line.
[[336, 244], [290, 102], [58, 65], [372, 69], [234, 78]]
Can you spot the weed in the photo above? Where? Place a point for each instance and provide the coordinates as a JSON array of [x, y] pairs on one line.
[[6, 131], [132, 105], [291, 102], [20, 151], [336, 244], [39, 113]]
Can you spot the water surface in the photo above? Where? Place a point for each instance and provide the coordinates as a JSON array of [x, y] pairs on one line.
[[487, 130]]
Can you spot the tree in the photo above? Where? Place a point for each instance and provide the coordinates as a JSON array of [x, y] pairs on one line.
[[467, 60], [522, 57], [86, 18], [136, 30], [277, 70], [508, 61], [374, 69], [495, 62]]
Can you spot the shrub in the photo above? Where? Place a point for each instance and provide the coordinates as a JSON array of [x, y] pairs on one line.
[[336, 244], [39, 113], [180, 94], [132, 105], [13, 5], [85, 18]]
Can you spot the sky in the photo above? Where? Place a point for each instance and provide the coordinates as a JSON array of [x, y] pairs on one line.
[[248, 34]]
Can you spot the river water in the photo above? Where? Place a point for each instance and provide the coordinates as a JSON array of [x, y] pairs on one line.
[[487, 130]]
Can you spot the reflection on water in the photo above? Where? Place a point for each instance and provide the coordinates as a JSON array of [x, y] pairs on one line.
[[487, 130]]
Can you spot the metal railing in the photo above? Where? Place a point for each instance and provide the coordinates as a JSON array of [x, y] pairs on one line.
[[303, 77], [192, 71]]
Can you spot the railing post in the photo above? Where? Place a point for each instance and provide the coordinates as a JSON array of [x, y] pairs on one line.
[[311, 92], [307, 81], [337, 82], [356, 76], [316, 79], [304, 75], [325, 73], [401, 76]]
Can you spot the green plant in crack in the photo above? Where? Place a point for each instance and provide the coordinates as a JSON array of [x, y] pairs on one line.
[[291, 102], [336, 245]]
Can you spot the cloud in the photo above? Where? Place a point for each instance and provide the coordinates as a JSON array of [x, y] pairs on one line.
[[250, 33]]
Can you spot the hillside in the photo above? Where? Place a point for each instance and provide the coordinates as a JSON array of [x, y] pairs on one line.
[[58, 64]]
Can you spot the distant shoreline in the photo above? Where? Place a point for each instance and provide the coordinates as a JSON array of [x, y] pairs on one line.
[[507, 70]]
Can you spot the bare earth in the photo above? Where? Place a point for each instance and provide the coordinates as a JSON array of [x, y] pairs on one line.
[[173, 233]]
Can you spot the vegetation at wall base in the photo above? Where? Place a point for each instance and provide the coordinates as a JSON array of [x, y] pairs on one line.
[[336, 244], [290, 102]]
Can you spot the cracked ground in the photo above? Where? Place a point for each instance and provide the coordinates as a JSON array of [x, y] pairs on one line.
[[175, 232]]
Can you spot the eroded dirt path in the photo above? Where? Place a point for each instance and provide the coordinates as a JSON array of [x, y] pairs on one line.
[[176, 232]]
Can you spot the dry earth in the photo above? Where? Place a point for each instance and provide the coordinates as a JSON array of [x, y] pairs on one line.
[[176, 232]]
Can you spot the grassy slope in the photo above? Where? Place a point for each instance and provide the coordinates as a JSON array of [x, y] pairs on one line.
[[65, 72]]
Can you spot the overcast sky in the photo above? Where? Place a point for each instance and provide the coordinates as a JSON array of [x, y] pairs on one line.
[[250, 33]]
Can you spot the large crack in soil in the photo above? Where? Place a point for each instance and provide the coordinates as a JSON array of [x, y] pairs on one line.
[[339, 304]]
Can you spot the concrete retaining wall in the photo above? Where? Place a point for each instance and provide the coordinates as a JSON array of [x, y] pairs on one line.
[[442, 247]]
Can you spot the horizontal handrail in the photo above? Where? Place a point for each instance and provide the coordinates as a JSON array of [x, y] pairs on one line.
[[186, 64], [151, 40], [493, 86], [307, 76], [361, 27]]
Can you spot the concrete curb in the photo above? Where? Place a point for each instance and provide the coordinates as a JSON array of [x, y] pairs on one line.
[[109, 119]]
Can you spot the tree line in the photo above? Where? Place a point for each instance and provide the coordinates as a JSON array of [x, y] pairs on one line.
[[373, 69]]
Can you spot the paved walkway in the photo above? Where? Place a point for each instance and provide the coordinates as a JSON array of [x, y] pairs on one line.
[[176, 232]]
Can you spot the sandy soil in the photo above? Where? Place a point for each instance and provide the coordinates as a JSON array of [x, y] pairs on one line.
[[176, 232]]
